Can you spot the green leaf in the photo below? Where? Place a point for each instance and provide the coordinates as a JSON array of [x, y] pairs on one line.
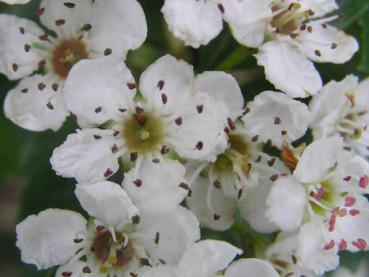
[[364, 63]]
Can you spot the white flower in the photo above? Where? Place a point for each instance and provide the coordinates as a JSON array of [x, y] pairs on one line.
[[12, 2], [289, 34], [325, 196], [169, 118], [84, 30], [117, 240], [243, 173], [343, 108], [209, 258]]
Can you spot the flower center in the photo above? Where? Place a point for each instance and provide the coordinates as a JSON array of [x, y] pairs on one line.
[[350, 127], [112, 252], [236, 155], [288, 21], [323, 197], [143, 132], [67, 54]]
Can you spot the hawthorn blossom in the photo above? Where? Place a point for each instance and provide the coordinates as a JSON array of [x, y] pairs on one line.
[[343, 108], [169, 118], [220, 186], [290, 35], [323, 201], [209, 258], [84, 30], [117, 240]]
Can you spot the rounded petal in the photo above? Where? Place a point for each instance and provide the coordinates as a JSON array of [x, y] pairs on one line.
[[319, 7], [17, 57], [223, 87], [194, 22], [318, 159], [253, 208], [203, 122], [65, 18], [362, 93], [327, 44], [286, 203], [288, 69], [250, 34], [107, 202], [206, 258], [87, 156], [246, 12], [160, 185], [12, 2], [35, 105], [252, 268], [212, 208], [117, 26], [170, 77], [158, 271], [46, 239], [167, 235], [275, 116], [330, 104], [98, 90]]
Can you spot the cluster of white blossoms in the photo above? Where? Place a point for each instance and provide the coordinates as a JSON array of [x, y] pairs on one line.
[[191, 153]]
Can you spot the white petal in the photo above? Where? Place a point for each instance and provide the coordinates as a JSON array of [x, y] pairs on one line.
[[318, 159], [311, 250], [34, 105], [277, 117], [194, 22], [171, 77], [46, 239], [12, 2], [252, 268], [97, 90], [330, 105], [223, 87], [159, 188], [206, 258], [74, 17], [319, 7], [107, 202], [253, 208], [87, 156], [327, 44], [15, 34], [200, 132], [286, 203], [288, 69], [158, 271], [117, 25], [242, 12], [362, 93], [250, 34], [212, 208], [167, 235]]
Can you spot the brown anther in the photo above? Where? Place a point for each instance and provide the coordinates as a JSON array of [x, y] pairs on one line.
[[41, 86], [15, 67], [69, 5], [77, 240], [108, 173], [133, 156], [87, 27], [164, 98], [178, 121], [186, 187], [157, 238], [22, 30], [144, 262], [155, 161], [139, 110], [40, 11], [216, 217], [44, 37], [50, 106], [271, 162], [347, 178], [334, 45], [114, 149], [137, 183], [277, 120], [221, 8], [27, 47], [283, 132], [55, 87], [131, 85], [309, 29], [25, 90], [116, 133], [317, 53], [199, 145], [59, 22], [136, 219], [255, 138], [97, 137], [160, 84], [200, 108], [239, 195], [122, 110], [164, 150], [67, 274], [107, 52], [231, 124], [274, 177], [217, 184], [86, 269], [98, 110]]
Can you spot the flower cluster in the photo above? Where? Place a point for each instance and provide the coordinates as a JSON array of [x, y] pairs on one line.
[[191, 152]]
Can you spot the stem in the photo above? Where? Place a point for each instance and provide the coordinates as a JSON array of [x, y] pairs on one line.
[[235, 58]]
